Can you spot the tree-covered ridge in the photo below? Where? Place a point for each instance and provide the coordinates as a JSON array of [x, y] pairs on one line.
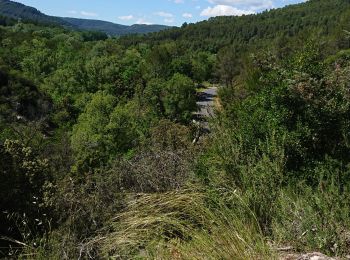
[[97, 158], [112, 28], [251, 32], [19, 11]]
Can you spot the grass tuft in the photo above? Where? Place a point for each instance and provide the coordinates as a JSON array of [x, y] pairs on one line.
[[187, 224]]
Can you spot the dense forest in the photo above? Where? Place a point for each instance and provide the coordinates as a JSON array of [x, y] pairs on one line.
[[97, 158], [279, 27]]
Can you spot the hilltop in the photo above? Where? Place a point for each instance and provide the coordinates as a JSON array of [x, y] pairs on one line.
[[20, 11]]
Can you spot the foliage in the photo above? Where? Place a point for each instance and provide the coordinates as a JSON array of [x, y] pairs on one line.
[[284, 147], [316, 217], [104, 164], [164, 163], [88, 138], [25, 182], [289, 27], [306, 108], [179, 99]]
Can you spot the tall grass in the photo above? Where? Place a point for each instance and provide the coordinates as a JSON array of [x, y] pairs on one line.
[[307, 209], [188, 224]]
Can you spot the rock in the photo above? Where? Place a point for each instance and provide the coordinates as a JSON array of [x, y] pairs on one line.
[[310, 256]]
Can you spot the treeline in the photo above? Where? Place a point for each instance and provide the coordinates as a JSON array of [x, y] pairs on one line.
[[325, 19], [96, 152], [6, 21]]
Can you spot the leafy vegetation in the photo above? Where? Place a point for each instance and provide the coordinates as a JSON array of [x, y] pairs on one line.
[[96, 151]]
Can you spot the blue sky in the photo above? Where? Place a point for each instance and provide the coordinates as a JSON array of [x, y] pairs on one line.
[[170, 12]]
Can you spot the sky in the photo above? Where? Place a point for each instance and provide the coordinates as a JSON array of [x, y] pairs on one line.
[[168, 12]]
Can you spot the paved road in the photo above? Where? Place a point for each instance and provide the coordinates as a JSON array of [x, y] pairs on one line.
[[205, 103]]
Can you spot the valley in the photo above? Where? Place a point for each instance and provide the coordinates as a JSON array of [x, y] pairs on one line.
[[226, 137]]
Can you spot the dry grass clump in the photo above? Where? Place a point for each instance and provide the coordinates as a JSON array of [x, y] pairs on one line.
[[188, 224]]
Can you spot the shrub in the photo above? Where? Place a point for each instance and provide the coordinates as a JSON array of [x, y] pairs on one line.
[[163, 163], [24, 184], [316, 218]]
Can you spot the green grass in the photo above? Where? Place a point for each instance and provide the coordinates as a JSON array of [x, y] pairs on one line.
[[188, 224]]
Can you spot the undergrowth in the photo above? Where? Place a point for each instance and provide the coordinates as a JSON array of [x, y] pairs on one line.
[[187, 224]]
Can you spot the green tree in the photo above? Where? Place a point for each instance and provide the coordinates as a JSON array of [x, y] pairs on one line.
[[202, 65], [228, 65], [152, 96], [37, 61], [89, 134], [179, 98], [123, 129]]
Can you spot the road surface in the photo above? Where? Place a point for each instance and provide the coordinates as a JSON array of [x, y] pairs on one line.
[[205, 103]]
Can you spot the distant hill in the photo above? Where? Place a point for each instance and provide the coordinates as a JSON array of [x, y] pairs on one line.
[[20, 11], [324, 18], [112, 28]]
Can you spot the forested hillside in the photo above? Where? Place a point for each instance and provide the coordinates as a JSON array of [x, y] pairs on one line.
[[16, 10], [19, 11], [97, 158], [251, 32]]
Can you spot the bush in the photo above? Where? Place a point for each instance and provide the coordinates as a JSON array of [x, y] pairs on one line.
[[163, 163], [306, 105], [284, 146], [316, 218], [24, 186]]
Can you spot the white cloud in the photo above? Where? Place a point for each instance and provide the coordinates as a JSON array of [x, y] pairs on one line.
[[84, 13], [253, 5], [164, 14], [126, 17], [143, 21], [179, 1], [224, 10], [187, 15], [169, 20], [72, 12]]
